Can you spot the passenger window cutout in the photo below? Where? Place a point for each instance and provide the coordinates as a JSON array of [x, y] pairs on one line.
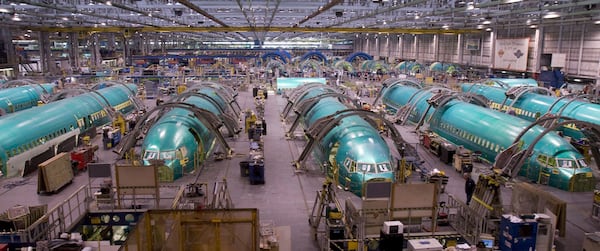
[[150, 155]]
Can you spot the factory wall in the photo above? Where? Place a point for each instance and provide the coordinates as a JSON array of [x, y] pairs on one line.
[[579, 42]]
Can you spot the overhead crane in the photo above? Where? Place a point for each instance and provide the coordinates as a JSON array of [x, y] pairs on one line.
[[132, 30]]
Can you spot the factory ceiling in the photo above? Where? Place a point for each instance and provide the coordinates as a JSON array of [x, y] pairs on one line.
[[264, 20]]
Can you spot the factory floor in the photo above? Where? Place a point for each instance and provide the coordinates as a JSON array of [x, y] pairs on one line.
[[287, 197]]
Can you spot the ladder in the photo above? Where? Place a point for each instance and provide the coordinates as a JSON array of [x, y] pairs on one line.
[[325, 197], [220, 196], [487, 196], [403, 114]]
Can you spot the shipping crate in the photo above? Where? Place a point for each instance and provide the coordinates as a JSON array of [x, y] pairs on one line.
[[55, 173]]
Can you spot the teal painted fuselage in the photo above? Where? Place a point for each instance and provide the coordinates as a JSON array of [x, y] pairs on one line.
[[554, 160], [353, 150], [181, 140], [530, 106], [31, 136], [23, 97]]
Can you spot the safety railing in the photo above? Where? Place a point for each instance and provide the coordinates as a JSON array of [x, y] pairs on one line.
[[468, 222], [61, 218], [66, 215]]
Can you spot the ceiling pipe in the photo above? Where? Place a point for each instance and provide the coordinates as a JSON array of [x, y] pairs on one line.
[[72, 10], [145, 13], [319, 11], [200, 11]]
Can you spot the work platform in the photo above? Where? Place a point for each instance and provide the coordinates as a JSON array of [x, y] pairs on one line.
[[287, 196]]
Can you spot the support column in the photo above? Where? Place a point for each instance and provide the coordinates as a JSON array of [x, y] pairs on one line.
[[401, 46], [96, 58], [436, 47], [581, 41], [460, 48], [126, 50], [73, 48], [9, 57], [365, 44], [492, 49], [110, 40], [377, 54], [539, 48], [416, 47], [387, 48], [48, 66], [163, 45]]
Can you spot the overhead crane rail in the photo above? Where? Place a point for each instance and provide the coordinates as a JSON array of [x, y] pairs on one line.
[[304, 29]]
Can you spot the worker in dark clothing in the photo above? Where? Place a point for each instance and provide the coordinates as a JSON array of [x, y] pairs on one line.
[[469, 187]]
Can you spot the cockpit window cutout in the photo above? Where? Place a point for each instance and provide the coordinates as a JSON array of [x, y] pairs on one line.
[[150, 155], [383, 167]]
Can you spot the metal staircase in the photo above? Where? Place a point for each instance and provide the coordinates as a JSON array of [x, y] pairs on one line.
[[508, 160]]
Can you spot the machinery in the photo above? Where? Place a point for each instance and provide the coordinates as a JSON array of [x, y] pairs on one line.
[[23, 97], [346, 144], [32, 136], [528, 104], [185, 132], [552, 160]]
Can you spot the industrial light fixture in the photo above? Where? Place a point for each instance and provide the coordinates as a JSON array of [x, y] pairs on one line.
[[480, 26], [470, 6], [533, 26], [445, 26], [3, 10], [488, 29], [597, 22], [16, 17], [486, 22], [551, 14]]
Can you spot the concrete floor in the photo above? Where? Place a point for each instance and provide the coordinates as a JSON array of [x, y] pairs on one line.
[[287, 197]]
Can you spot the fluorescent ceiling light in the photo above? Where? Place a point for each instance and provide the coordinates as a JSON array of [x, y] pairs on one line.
[[551, 15], [533, 26], [488, 29], [486, 22], [597, 22], [480, 26], [3, 10], [512, 1]]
